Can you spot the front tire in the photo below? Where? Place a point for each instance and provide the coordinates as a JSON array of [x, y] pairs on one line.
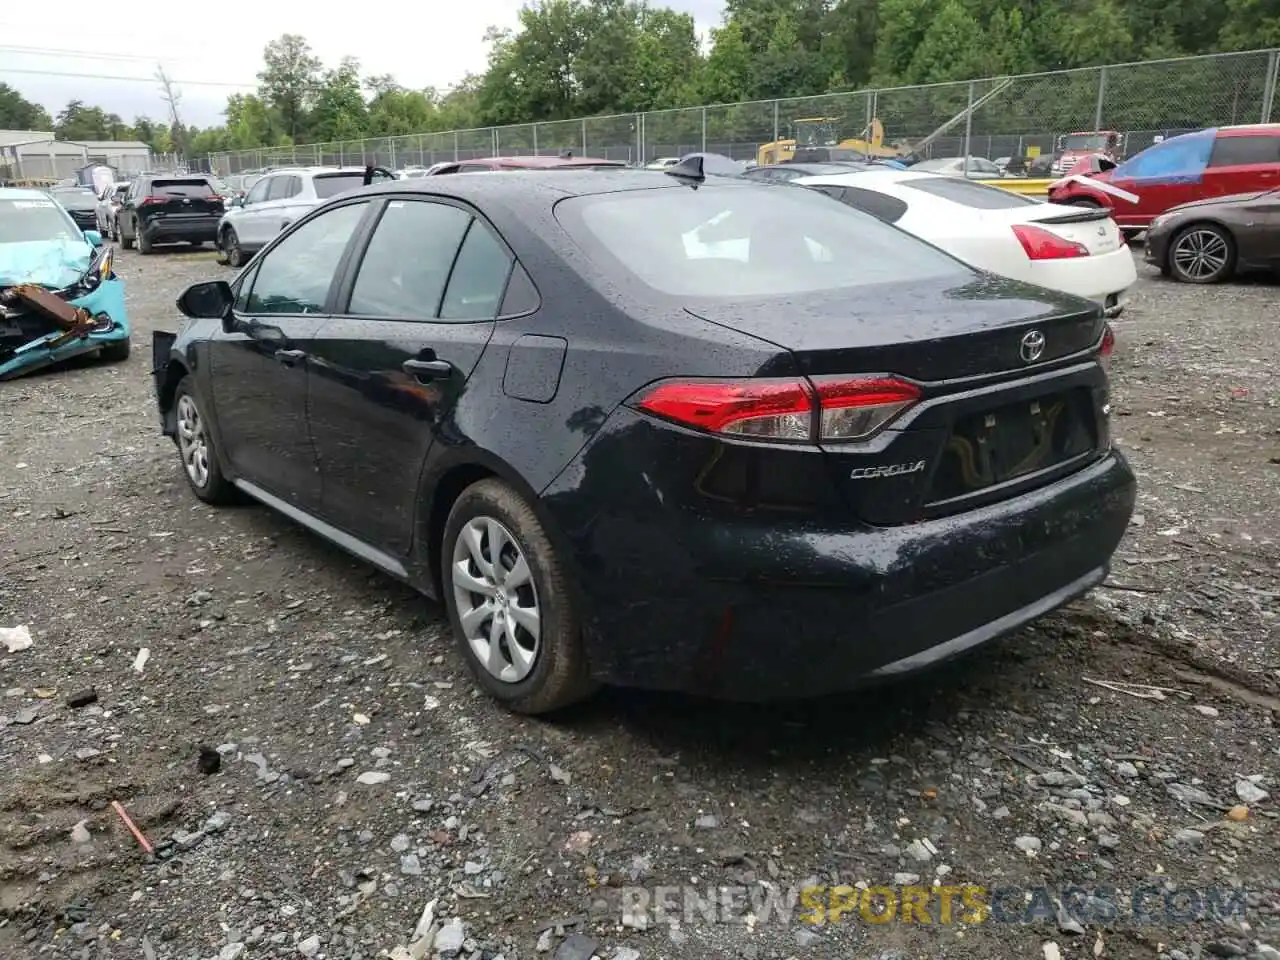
[[196, 447], [509, 602], [115, 352], [1202, 253]]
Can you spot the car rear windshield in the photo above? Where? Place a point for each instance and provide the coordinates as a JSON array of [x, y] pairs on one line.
[[735, 241], [331, 184], [968, 194], [33, 219], [182, 188], [76, 199]]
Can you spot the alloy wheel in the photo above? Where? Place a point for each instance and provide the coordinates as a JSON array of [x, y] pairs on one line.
[[497, 600], [1201, 254], [193, 442]]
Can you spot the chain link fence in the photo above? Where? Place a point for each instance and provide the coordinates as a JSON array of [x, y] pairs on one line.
[[1019, 116]]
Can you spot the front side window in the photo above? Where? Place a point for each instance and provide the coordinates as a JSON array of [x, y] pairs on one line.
[[259, 191], [406, 265], [279, 188], [1180, 158], [744, 240], [295, 275]]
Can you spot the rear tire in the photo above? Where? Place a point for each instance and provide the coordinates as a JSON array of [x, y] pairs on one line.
[[1202, 253], [509, 602], [231, 248], [197, 450], [144, 244]]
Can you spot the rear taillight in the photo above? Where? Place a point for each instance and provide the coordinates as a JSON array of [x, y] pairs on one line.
[[824, 409], [1040, 244], [1108, 345], [149, 200]]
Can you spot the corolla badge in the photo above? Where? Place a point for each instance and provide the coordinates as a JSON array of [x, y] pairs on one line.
[[1032, 346], [887, 470]]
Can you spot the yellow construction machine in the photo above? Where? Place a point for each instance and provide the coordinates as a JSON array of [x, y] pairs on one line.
[[819, 132]]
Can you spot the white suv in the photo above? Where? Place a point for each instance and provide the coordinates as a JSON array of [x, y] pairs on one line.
[[277, 200]]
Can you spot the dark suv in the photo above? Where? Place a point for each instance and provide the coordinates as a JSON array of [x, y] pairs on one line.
[[165, 208]]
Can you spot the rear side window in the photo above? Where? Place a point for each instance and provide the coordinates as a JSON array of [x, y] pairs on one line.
[[331, 184], [181, 188], [407, 263], [879, 205], [744, 240], [479, 277], [1239, 151], [976, 196]]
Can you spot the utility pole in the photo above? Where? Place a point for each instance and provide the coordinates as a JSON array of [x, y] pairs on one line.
[[172, 96]]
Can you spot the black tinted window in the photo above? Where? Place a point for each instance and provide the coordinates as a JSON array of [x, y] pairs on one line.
[[879, 205], [407, 262], [296, 273], [181, 188], [331, 184], [479, 277], [974, 195], [1238, 151]]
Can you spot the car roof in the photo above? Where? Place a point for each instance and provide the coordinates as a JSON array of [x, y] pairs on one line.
[[519, 187], [311, 171], [1251, 130], [539, 161]]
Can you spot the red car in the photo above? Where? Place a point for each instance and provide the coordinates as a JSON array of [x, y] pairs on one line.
[[490, 164], [1217, 162]]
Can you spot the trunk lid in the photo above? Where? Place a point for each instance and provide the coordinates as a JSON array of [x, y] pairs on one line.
[[1093, 228], [924, 331], [964, 444]]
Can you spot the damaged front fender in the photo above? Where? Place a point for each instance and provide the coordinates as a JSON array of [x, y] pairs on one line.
[[39, 327]]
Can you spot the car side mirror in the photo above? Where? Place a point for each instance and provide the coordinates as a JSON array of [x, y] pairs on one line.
[[236, 202], [93, 237], [211, 300]]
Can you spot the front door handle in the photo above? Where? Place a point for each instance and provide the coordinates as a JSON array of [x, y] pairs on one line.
[[290, 357], [425, 370]]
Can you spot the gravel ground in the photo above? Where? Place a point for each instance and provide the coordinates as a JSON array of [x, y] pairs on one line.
[[1126, 743]]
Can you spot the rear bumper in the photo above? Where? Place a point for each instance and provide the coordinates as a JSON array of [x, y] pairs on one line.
[[201, 229], [1095, 278], [761, 608]]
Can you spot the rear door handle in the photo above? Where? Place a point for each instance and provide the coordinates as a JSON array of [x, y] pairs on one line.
[[290, 357], [425, 370]]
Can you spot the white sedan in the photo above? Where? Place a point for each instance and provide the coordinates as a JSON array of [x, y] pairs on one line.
[[1072, 249]]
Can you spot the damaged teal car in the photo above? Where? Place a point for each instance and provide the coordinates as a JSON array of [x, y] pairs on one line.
[[59, 297]]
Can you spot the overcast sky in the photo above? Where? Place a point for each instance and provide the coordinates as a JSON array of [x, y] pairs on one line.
[[213, 56]]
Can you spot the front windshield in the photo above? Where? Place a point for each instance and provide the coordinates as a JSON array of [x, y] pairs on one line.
[[33, 220], [1087, 141]]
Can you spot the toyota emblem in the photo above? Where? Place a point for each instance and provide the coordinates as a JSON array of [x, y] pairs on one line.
[[1032, 346]]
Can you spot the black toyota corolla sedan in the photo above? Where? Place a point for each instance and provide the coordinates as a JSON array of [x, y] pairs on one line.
[[658, 429]]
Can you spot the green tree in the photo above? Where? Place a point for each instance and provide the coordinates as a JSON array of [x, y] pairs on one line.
[[79, 122], [339, 112], [19, 113], [288, 80], [729, 68]]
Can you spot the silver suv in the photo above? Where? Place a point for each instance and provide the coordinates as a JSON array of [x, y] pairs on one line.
[[280, 198]]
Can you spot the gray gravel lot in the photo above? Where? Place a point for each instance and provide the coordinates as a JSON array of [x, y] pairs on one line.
[[360, 777]]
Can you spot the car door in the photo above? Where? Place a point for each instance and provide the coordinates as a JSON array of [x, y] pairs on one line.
[[250, 225], [1163, 176], [258, 373], [389, 369], [1243, 163]]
